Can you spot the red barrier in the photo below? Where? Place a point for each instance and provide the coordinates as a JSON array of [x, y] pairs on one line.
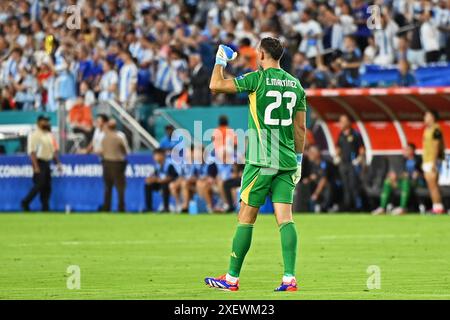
[[388, 118]]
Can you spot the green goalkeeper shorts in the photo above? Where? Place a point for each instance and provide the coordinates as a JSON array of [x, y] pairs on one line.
[[258, 182]]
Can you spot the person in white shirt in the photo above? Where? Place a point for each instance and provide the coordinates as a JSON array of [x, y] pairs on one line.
[[11, 67], [128, 81], [338, 31], [289, 17], [146, 54], [134, 44], [347, 20], [96, 143], [168, 80], [220, 12], [370, 51], [311, 33], [245, 29], [108, 82], [87, 94], [429, 37], [384, 40], [441, 20]]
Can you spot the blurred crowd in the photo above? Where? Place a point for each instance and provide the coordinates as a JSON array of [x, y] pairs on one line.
[[52, 51], [345, 181]]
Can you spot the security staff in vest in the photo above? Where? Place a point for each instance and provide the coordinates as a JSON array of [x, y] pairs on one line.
[[433, 154], [113, 152], [42, 150]]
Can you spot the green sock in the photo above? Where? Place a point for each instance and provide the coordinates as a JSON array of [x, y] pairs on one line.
[[241, 243], [405, 187], [288, 234], [385, 194]]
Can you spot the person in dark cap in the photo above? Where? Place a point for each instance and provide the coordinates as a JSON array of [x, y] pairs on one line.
[[42, 150]]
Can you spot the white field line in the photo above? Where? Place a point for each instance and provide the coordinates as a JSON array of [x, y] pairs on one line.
[[123, 294], [198, 241], [101, 242], [368, 236]]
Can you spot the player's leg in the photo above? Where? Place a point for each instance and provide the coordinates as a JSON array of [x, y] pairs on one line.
[[386, 192], [220, 189], [175, 191], [46, 191], [242, 238], [431, 177], [404, 184], [240, 245], [33, 192], [405, 188], [149, 188], [120, 183], [203, 190], [229, 187], [209, 187], [187, 186], [165, 196], [254, 190], [282, 196], [108, 176]]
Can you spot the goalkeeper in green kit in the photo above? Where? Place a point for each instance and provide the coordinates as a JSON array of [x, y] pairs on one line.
[[276, 139]]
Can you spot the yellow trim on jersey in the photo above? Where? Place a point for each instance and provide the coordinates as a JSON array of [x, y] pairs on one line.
[[254, 114], [246, 193], [252, 104]]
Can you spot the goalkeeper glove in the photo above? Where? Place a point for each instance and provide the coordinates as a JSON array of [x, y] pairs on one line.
[[225, 54], [298, 174]]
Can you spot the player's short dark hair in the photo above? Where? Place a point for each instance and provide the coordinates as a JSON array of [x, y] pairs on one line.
[[273, 47]]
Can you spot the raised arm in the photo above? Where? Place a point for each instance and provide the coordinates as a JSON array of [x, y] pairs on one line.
[[218, 83]]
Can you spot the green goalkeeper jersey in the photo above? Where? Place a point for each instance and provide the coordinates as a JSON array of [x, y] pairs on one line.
[[274, 98]]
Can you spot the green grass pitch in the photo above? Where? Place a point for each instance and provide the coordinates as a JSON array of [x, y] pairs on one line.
[[136, 256]]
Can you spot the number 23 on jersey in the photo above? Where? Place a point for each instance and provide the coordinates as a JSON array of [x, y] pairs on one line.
[[287, 100]]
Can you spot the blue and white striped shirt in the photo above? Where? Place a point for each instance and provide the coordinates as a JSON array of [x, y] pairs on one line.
[[168, 76], [128, 77]]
